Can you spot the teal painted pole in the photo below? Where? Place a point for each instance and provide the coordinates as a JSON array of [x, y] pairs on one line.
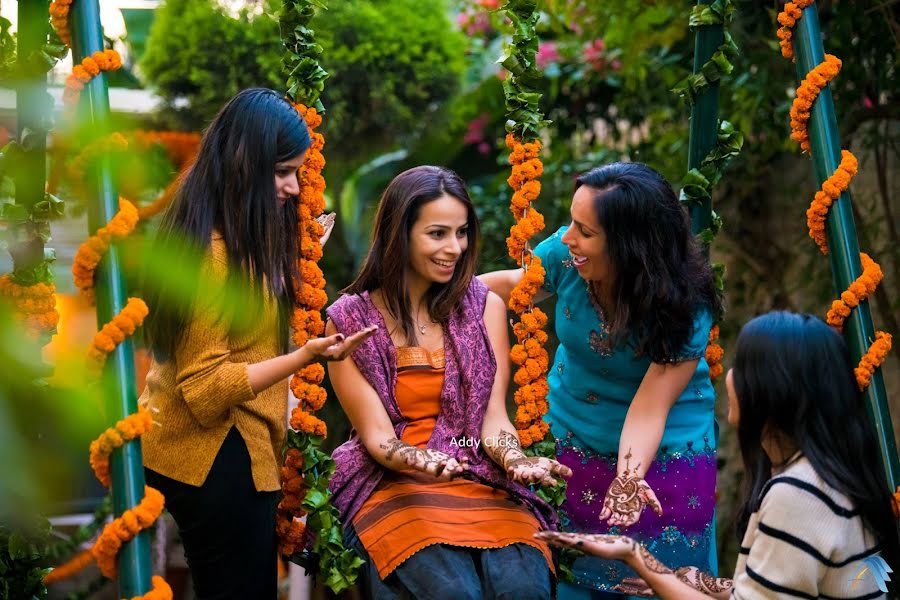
[[126, 463], [33, 109], [704, 116], [843, 247]]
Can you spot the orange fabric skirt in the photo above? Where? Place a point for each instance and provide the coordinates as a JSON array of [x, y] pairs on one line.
[[410, 510]]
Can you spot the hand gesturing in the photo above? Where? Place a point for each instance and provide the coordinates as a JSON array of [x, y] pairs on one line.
[[536, 469], [625, 500], [426, 460]]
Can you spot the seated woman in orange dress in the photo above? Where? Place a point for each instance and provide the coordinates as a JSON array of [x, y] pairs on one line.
[[431, 486]]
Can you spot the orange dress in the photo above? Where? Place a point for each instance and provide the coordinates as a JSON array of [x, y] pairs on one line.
[[410, 510]]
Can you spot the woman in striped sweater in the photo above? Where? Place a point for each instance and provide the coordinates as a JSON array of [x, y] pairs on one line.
[[818, 520]]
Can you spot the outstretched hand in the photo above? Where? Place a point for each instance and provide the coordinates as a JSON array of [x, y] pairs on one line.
[[337, 346], [610, 547], [625, 501], [326, 221], [433, 462], [529, 470]]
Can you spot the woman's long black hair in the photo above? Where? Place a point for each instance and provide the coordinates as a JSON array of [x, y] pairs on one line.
[[660, 276], [230, 188], [387, 262], [793, 377]]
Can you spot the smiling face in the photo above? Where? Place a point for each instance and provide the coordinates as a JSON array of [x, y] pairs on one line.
[[287, 184], [586, 239], [438, 239]]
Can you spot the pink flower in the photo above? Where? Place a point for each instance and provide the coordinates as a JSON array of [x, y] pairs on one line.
[[475, 132], [547, 53], [867, 102], [593, 55], [478, 23], [501, 74], [484, 148]]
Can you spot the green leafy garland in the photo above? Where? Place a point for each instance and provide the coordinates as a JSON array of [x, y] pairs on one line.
[[524, 116], [328, 557], [696, 187], [525, 120]]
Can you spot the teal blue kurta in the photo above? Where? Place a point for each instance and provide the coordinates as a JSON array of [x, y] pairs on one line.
[[591, 389]]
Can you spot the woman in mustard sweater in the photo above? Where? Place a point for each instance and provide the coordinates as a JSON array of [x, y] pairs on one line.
[[218, 380]]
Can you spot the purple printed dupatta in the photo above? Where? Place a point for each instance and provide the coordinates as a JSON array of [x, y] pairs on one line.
[[469, 372]]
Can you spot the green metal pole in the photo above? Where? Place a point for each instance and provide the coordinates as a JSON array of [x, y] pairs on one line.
[[32, 108], [842, 243], [126, 463], [704, 116]]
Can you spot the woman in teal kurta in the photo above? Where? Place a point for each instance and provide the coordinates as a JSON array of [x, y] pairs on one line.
[[631, 403]]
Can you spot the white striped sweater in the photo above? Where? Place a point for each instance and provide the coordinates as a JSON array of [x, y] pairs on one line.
[[805, 541]]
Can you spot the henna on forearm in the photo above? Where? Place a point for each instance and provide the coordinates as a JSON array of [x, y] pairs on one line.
[[703, 582], [652, 563], [423, 459], [505, 449]]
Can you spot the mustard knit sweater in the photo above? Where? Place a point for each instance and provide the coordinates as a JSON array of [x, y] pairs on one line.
[[203, 390]]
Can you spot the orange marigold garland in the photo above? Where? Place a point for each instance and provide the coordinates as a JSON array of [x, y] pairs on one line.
[[59, 18], [74, 565], [92, 250], [33, 305], [306, 323], [812, 85], [529, 352], [788, 18], [311, 297], [831, 190], [114, 333], [90, 67], [810, 88], [714, 354]]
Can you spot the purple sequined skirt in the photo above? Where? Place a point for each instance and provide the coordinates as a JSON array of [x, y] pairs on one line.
[[684, 483]]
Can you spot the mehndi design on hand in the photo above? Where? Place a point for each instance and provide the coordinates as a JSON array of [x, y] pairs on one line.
[[425, 460], [626, 498], [505, 450]]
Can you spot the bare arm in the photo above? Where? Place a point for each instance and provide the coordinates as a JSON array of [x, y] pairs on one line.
[[686, 583], [335, 347], [369, 418], [641, 434], [502, 283], [497, 432]]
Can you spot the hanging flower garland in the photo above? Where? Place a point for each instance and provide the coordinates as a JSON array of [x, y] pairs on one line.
[[523, 126], [59, 18], [307, 319], [528, 353], [714, 354], [307, 524], [33, 305], [698, 183], [810, 88]]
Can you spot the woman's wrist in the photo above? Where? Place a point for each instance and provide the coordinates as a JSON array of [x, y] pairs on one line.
[[302, 357]]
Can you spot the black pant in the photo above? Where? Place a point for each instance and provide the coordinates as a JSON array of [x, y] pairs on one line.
[[226, 526]]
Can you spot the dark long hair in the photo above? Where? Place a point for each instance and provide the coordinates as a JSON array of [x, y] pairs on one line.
[[231, 189], [660, 276], [793, 377], [388, 259]]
